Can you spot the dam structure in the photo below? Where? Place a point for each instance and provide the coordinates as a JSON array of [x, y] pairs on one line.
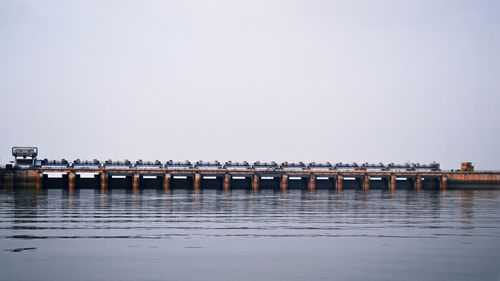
[[28, 171]]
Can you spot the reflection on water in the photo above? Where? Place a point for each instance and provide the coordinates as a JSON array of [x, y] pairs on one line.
[[243, 235]]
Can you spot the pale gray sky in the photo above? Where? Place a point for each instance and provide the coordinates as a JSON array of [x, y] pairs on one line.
[[311, 80]]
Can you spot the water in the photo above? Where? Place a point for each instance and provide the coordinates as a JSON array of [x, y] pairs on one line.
[[270, 235]]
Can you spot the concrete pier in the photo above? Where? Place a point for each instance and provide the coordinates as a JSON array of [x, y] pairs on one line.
[[255, 182], [284, 182], [227, 182], [340, 182], [166, 181], [71, 179], [366, 182], [38, 180], [104, 180], [197, 181], [312, 182], [392, 182], [418, 182], [135, 181]]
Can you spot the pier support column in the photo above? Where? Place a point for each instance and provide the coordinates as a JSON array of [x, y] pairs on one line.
[[104, 180], [284, 182], [366, 182], [443, 182], [166, 181], [340, 182], [71, 179], [135, 181], [227, 182], [197, 181], [312, 182], [392, 183], [38, 180], [418, 182], [255, 182]]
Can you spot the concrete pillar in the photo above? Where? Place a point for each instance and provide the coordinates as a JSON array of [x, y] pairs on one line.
[[71, 179], [135, 181], [418, 182], [284, 182], [197, 181], [227, 182], [255, 182], [443, 183], [104, 180], [38, 180], [392, 183], [340, 182], [166, 181], [365, 182], [312, 182]]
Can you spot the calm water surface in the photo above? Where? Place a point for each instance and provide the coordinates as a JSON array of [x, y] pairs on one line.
[[240, 235]]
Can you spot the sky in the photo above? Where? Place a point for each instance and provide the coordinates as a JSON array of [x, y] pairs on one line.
[[358, 80]]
